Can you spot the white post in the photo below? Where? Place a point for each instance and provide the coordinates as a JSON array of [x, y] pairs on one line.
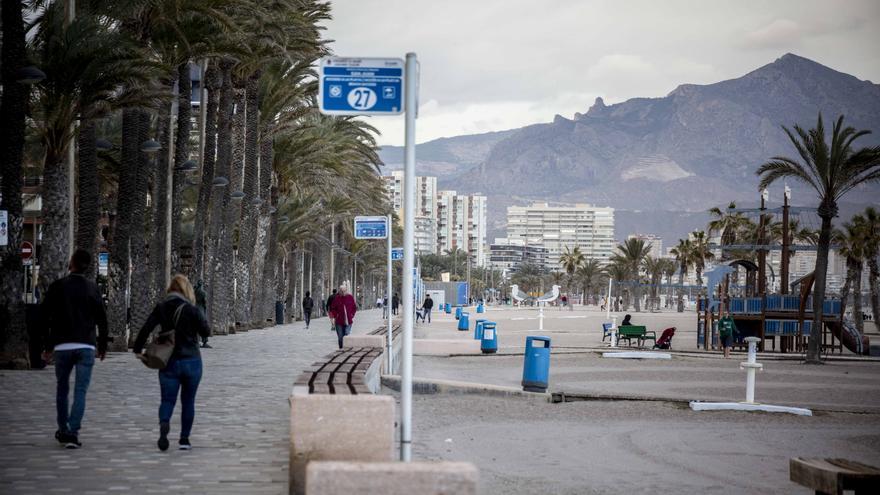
[[408, 257], [614, 331], [751, 366], [541, 316], [608, 301], [389, 346]]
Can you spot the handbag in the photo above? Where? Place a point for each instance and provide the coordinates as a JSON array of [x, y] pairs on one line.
[[159, 351]]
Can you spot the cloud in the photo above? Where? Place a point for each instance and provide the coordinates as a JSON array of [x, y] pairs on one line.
[[779, 34]]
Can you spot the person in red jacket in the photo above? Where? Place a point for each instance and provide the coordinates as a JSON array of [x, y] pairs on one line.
[[342, 310]]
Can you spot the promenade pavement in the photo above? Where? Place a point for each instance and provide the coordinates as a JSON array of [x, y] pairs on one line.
[[240, 437]]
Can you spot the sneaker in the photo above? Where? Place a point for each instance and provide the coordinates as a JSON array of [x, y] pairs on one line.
[[60, 436], [184, 444], [163, 436], [206, 346], [71, 442]]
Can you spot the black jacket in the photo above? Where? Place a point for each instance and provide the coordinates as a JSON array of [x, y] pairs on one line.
[[428, 304], [308, 303], [191, 325], [71, 310]]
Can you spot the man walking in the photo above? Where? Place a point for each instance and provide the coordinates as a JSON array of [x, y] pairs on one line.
[[428, 305], [202, 304], [330, 311], [73, 308], [307, 305], [395, 302]]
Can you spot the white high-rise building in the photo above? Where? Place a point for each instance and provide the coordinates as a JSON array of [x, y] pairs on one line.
[[655, 241], [591, 228], [426, 208], [462, 224]]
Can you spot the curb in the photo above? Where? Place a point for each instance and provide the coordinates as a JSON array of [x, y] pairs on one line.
[[426, 386]]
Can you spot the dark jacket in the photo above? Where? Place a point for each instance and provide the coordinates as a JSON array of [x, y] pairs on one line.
[[341, 307], [395, 301], [201, 297], [191, 325], [308, 304], [428, 304], [71, 309]]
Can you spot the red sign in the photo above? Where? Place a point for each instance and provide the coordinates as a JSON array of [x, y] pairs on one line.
[[27, 250]]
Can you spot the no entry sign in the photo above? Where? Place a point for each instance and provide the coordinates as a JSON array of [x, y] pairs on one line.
[[27, 250]]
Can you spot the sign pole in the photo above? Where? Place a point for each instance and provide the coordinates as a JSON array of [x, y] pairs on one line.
[[408, 257], [387, 308]]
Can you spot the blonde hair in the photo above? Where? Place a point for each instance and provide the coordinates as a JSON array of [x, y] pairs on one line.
[[181, 285]]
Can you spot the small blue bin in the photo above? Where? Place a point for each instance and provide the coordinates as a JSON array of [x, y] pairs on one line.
[[448, 308], [479, 308], [478, 329], [536, 366], [463, 322], [458, 312], [489, 342]]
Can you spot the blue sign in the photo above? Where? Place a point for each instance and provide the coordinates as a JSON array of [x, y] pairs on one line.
[[370, 227], [396, 254], [360, 86]]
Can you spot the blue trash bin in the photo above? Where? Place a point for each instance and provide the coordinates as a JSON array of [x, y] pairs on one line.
[[536, 366], [478, 329], [447, 308], [457, 312], [464, 322], [279, 313], [480, 308], [489, 340]]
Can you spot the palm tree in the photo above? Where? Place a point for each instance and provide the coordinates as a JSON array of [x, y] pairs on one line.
[[872, 251], [590, 274], [683, 255], [700, 253], [654, 267], [726, 225], [851, 240], [631, 253], [570, 260], [13, 110], [618, 271], [831, 169]]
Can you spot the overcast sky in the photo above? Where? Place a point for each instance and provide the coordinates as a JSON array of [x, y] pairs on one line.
[[498, 64]]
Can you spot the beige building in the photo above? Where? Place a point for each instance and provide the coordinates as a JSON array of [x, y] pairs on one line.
[[462, 224], [426, 208], [591, 228]]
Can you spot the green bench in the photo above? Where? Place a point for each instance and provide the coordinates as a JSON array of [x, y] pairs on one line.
[[638, 332]]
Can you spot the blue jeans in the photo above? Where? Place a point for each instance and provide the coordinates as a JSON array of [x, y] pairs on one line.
[[427, 315], [65, 361], [184, 376], [341, 332]]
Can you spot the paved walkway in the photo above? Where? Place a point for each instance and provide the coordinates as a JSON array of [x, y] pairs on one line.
[[240, 438]]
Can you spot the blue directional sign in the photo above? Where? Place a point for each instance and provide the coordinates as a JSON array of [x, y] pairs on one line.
[[396, 254], [360, 86], [370, 227]]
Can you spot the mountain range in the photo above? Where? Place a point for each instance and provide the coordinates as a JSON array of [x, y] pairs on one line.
[[661, 162]]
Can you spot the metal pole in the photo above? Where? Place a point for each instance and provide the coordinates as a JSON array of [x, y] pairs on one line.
[[409, 195], [302, 276], [786, 243], [608, 301], [332, 253], [389, 347], [169, 193]]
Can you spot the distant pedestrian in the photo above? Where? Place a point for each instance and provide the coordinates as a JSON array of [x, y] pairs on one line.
[[307, 305], [202, 304], [627, 321], [427, 306], [343, 309], [330, 311], [184, 370], [395, 302], [378, 302], [73, 308], [726, 329]]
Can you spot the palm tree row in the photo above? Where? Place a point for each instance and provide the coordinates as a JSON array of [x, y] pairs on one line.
[[255, 192]]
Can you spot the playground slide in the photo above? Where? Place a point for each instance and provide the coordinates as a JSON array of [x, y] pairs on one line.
[[849, 335]]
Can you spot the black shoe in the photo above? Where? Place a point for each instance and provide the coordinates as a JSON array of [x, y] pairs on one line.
[[206, 346], [184, 444], [163, 436], [71, 442], [60, 436]]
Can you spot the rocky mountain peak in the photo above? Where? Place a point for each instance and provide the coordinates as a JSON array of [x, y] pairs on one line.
[[598, 107]]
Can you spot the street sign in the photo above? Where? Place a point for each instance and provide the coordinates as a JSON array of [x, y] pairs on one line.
[[360, 86], [397, 254], [27, 250], [4, 227], [370, 227]]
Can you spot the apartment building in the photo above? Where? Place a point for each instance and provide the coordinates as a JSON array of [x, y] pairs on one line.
[[462, 224]]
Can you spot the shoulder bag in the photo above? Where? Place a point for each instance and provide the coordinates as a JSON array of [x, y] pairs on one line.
[[159, 351]]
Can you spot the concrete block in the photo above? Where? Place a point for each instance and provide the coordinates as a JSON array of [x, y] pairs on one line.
[[338, 428], [364, 341], [391, 478], [445, 347]]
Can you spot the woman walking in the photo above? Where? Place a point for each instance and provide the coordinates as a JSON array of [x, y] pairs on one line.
[[342, 311], [184, 370]]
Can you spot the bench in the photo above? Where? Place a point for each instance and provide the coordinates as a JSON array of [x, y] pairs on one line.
[[606, 331], [638, 332], [833, 476], [341, 372]]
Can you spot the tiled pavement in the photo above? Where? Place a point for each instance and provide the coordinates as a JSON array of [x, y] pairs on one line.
[[241, 433]]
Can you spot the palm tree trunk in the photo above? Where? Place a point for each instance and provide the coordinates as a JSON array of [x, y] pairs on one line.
[[141, 274], [250, 212], [219, 233], [54, 245], [680, 297], [181, 155], [118, 269], [857, 296], [203, 212], [159, 205], [13, 110], [826, 212], [229, 250], [265, 259], [89, 210]]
